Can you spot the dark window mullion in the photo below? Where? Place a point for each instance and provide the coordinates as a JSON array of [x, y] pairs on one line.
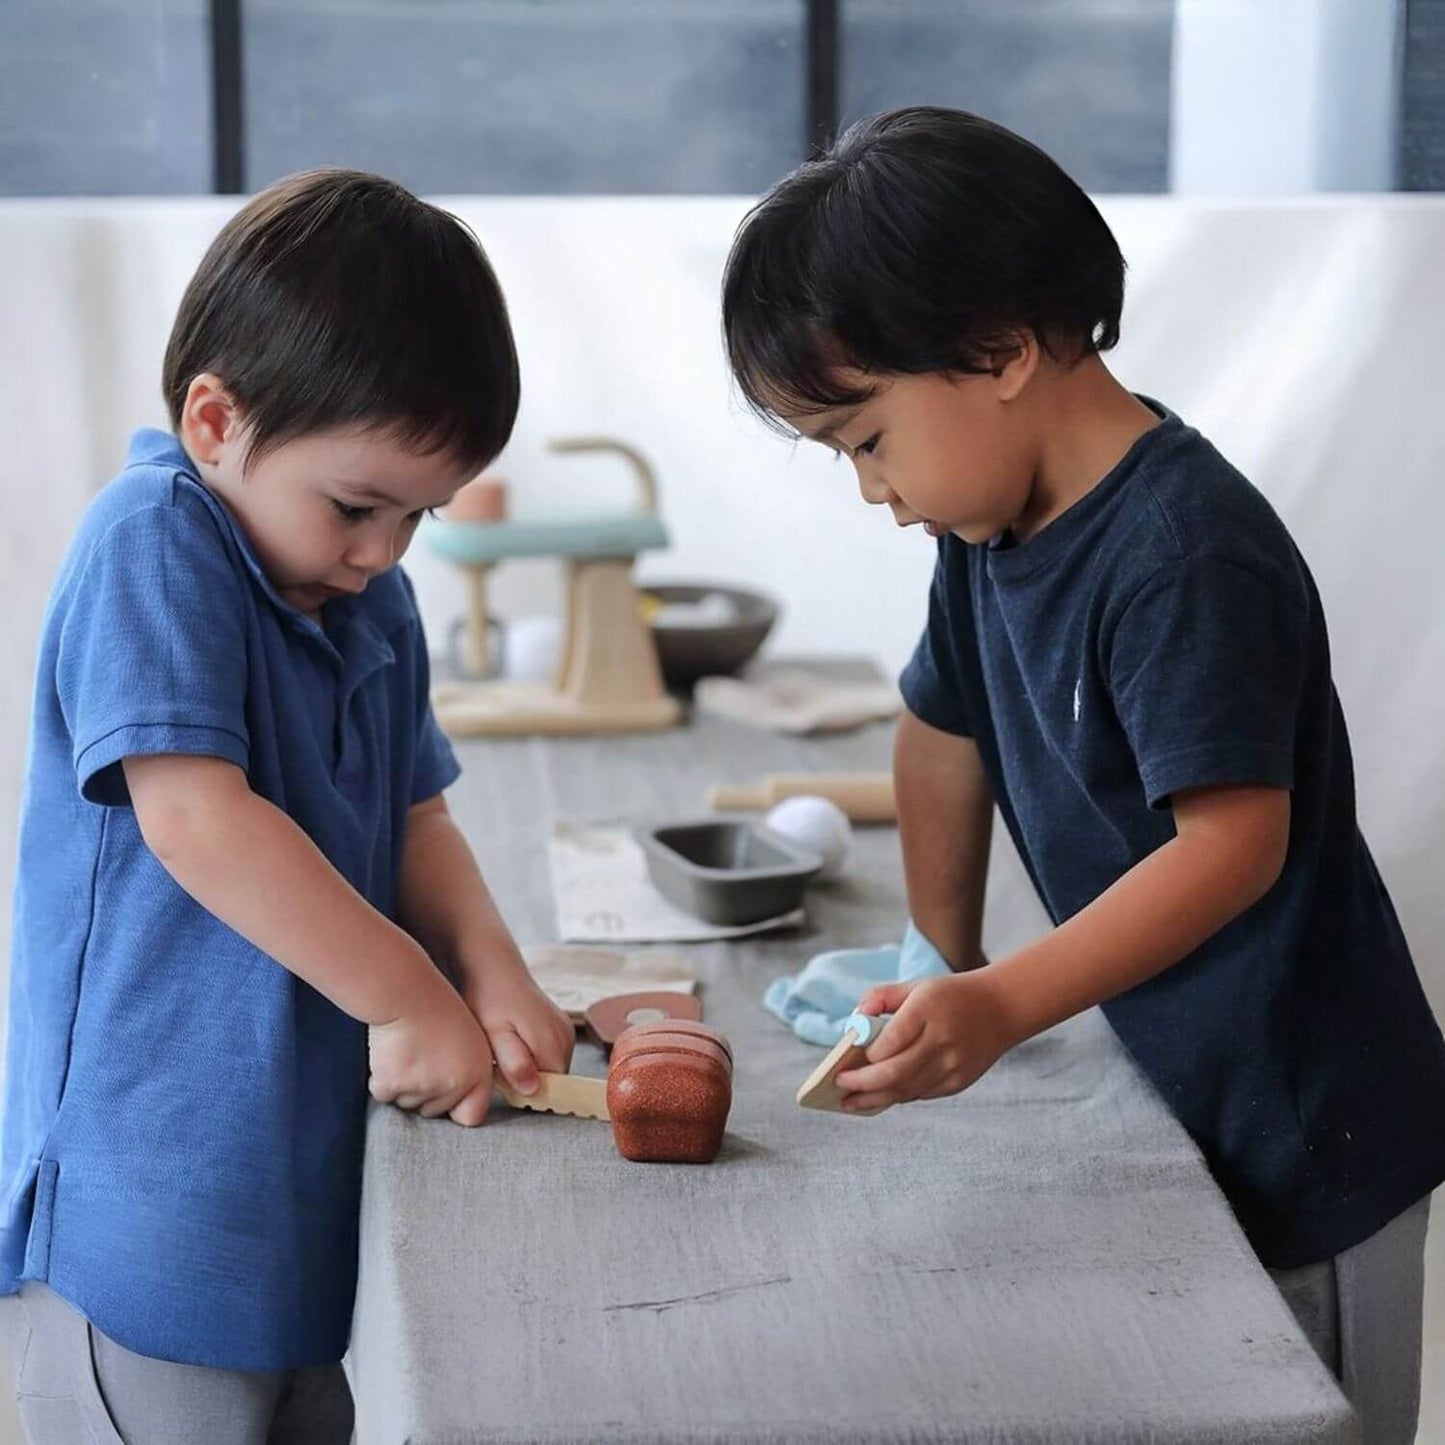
[[1420, 153], [824, 63], [227, 109]]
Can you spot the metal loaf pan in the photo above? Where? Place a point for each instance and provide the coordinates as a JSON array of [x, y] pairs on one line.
[[728, 871]]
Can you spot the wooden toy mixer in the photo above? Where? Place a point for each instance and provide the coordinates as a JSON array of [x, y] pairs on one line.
[[667, 1093], [608, 679]]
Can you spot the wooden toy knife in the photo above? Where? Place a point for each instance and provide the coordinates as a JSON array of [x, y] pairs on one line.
[[819, 1090]]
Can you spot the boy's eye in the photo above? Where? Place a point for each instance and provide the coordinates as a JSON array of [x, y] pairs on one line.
[[864, 449], [349, 513]]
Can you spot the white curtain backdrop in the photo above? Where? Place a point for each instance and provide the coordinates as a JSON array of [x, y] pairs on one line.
[[1301, 336]]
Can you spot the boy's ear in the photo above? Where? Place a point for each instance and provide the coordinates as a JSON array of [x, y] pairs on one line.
[[210, 419], [1014, 368]]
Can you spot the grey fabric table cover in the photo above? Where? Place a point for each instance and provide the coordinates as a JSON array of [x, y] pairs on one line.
[[1043, 1258]]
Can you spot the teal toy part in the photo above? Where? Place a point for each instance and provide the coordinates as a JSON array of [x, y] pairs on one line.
[[478, 544], [865, 1027]]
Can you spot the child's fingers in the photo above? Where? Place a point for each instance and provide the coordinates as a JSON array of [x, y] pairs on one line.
[[899, 1081], [899, 1033], [471, 1110], [890, 1077], [884, 998], [442, 1104], [514, 1059], [550, 1044], [429, 1106], [866, 1103], [553, 1057], [392, 1094]]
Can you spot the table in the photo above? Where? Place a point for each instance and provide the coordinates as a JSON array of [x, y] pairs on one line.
[[1041, 1259]]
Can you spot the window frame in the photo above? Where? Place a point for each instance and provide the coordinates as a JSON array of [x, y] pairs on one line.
[[822, 70]]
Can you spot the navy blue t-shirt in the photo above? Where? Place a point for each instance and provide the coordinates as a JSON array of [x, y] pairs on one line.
[[1163, 634]]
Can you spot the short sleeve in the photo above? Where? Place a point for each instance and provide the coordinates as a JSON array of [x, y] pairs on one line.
[[151, 655], [1206, 667], [933, 683], [435, 766]]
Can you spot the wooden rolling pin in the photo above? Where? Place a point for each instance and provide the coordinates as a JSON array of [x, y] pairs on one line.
[[864, 797]]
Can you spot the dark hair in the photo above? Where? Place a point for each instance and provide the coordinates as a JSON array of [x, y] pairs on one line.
[[925, 240], [335, 298]]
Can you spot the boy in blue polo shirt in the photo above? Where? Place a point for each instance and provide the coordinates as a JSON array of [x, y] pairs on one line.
[[236, 866], [1126, 654]]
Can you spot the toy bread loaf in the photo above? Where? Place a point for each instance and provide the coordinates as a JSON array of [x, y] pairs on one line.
[[669, 1091]]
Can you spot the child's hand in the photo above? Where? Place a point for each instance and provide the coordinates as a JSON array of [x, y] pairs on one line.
[[945, 1033], [434, 1059], [527, 1031]]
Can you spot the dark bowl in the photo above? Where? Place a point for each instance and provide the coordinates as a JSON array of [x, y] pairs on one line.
[[688, 653]]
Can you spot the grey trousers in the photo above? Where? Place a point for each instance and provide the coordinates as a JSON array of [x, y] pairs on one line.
[[1362, 1312], [75, 1386]]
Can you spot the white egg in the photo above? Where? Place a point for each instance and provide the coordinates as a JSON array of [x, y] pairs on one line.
[[816, 823], [531, 648]]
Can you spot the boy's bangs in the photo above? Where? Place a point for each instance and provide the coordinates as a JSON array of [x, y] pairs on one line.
[[790, 367], [429, 401]]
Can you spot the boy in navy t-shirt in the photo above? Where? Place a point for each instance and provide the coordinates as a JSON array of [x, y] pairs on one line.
[[237, 873], [1127, 655]]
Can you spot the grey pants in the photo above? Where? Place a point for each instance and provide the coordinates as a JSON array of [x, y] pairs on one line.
[[1362, 1312], [75, 1386]]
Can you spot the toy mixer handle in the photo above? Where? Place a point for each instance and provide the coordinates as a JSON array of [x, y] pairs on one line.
[[646, 479]]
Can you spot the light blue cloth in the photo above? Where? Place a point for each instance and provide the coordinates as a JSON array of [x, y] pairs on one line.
[[816, 1003]]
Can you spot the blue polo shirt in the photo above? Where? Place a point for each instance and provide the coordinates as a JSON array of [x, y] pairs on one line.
[[1162, 634], [183, 1117]]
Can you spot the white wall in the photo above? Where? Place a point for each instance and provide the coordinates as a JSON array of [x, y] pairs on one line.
[[1302, 337]]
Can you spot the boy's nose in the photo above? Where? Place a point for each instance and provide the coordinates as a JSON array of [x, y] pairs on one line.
[[373, 554], [874, 492]]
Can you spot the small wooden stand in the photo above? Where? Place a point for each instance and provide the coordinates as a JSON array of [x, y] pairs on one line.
[[608, 679]]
